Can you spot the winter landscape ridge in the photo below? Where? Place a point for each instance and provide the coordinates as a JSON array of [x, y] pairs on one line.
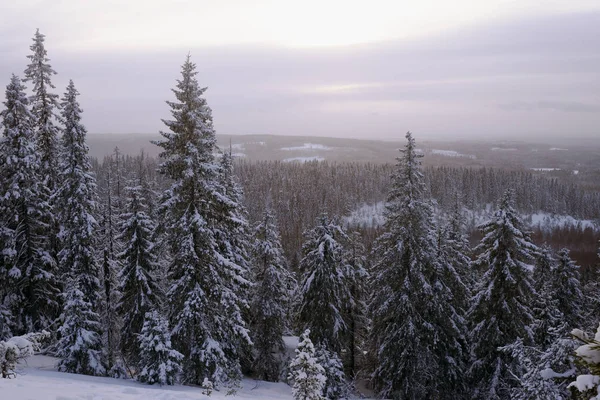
[[193, 265]]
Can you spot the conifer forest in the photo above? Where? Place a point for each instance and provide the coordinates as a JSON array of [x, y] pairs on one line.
[[198, 268]]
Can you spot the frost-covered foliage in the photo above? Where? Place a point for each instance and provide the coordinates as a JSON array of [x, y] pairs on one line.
[[307, 376], [325, 292], [80, 343], [270, 299], [18, 348], [501, 309], [588, 356], [140, 293], [567, 289], [336, 386], [29, 285], [196, 214], [417, 357], [159, 362], [542, 374]]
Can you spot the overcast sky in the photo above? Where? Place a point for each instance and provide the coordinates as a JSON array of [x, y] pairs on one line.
[[360, 69]]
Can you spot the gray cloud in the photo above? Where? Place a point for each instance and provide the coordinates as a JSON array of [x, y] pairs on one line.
[[447, 86]]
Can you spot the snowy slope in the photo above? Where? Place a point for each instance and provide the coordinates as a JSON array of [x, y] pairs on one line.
[[38, 380], [371, 215]]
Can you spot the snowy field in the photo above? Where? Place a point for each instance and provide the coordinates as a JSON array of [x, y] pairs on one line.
[[307, 146], [452, 153], [372, 215], [39, 380]]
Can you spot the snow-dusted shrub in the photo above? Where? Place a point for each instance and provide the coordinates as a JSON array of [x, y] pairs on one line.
[[18, 348]]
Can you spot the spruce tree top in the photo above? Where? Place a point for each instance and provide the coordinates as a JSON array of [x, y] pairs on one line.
[[192, 134], [39, 71], [16, 117]]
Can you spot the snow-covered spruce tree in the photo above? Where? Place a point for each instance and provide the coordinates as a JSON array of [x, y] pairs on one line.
[[306, 375], [336, 386], [80, 343], [458, 248], [270, 299], [358, 321], [325, 292], [205, 314], [32, 289], [81, 333], [501, 309], [566, 289], [547, 316], [44, 106], [159, 362], [140, 293], [233, 237], [417, 332], [109, 228]]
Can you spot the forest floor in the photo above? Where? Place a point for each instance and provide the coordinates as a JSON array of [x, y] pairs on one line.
[[39, 380]]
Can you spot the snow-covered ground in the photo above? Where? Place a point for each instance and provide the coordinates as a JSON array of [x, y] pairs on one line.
[[307, 146], [452, 153], [304, 159], [38, 380], [371, 215], [503, 149], [545, 169]]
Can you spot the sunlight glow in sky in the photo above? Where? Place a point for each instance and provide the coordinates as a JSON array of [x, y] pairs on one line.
[[345, 68], [118, 24]]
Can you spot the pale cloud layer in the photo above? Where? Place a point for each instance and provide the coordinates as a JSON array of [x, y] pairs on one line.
[[505, 69]]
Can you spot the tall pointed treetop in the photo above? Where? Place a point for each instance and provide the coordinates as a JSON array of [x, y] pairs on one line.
[[44, 105]]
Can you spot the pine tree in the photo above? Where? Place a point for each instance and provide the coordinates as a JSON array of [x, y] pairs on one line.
[[325, 288], [29, 269], [208, 327], [159, 363], [567, 289], [418, 334], [306, 374], [501, 310], [140, 293], [81, 332], [80, 343], [270, 299]]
